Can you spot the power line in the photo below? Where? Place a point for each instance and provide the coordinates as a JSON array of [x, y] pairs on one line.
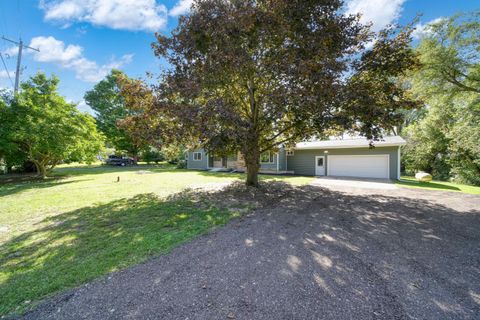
[[19, 60], [6, 69]]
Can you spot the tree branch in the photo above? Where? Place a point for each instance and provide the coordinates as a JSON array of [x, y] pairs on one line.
[[453, 80]]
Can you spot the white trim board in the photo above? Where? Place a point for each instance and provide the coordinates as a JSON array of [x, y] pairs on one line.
[[398, 163], [347, 147]]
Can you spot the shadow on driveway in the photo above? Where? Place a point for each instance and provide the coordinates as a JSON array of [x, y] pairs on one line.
[[310, 253]]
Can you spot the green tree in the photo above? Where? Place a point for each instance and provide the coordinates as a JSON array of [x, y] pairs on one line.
[[445, 140], [109, 106], [11, 153], [449, 51], [40, 124], [250, 76], [427, 147]]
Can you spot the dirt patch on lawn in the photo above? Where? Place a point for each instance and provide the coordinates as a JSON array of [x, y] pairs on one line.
[[237, 196]]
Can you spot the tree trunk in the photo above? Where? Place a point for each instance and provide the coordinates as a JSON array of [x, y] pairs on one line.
[[252, 175], [41, 169], [252, 150], [252, 162]]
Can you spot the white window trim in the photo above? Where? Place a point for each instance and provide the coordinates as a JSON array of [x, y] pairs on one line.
[[201, 156], [269, 157]]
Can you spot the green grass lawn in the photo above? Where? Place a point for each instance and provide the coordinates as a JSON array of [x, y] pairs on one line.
[[410, 182], [81, 224]]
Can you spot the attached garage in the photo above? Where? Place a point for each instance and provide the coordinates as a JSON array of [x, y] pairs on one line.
[[355, 157], [362, 166]]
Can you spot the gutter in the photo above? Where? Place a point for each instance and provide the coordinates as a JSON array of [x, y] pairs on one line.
[[349, 146]]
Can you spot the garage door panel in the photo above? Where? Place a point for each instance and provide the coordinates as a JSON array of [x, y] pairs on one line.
[[370, 166]]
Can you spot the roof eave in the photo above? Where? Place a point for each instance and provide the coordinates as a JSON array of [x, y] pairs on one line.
[[397, 144]]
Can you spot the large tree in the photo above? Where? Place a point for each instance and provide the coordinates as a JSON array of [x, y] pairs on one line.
[[109, 105], [253, 75], [41, 125], [445, 140], [9, 155]]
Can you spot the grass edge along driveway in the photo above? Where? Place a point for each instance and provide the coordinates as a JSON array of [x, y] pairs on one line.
[[410, 182], [62, 240]]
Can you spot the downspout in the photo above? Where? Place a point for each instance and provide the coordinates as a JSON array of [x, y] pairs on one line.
[[278, 161]]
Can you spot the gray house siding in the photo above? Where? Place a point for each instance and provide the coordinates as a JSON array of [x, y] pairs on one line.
[[282, 158], [194, 164], [303, 161], [207, 161]]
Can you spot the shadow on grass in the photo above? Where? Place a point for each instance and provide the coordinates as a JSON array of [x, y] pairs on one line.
[[430, 185], [358, 253], [72, 248], [17, 185]]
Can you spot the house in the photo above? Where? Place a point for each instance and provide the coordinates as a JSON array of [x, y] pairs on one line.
[[337, 157]]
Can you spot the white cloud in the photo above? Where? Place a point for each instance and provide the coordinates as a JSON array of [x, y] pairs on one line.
[[423, 30], [379, 12], [71, 57], [4, 74], [181, 7], [135, 15], [11, 51], [84, 107]]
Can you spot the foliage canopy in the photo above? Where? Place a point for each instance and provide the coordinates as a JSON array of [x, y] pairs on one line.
[[445, 141], [251, 76], [109, 105], [40, 125]]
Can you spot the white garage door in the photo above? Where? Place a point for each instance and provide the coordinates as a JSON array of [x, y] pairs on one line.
[[371, 166]]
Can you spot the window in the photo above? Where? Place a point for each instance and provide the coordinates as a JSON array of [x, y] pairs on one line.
[[267, 157], [289, 153], [197, 156], [320, 162]]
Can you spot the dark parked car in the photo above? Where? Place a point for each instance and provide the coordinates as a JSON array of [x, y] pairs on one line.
[[120, 161]]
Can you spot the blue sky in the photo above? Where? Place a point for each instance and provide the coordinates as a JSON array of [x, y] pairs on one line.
[[81, 40]]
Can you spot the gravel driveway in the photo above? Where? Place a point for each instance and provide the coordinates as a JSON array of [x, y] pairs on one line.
[[314, 254]]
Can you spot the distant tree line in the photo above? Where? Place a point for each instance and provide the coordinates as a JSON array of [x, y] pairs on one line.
[[251, 76]]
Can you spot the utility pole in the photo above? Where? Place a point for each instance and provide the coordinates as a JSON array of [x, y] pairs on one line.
[[19, 60]]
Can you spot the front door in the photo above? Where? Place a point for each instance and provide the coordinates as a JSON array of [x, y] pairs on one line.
[[319, 165]]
